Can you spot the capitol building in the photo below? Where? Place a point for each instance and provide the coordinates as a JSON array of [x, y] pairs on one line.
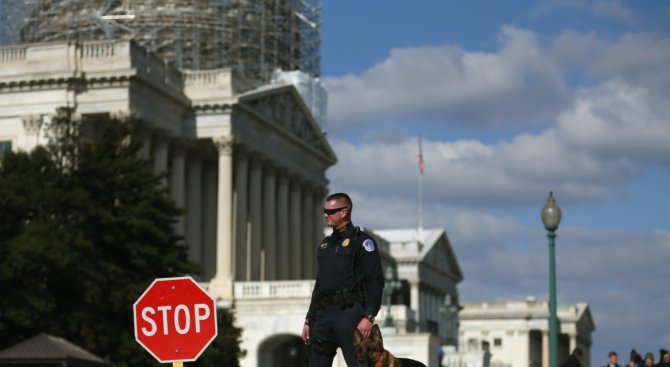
[[235, 112]]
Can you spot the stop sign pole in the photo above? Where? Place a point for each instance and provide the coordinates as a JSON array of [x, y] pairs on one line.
[[175, 320]]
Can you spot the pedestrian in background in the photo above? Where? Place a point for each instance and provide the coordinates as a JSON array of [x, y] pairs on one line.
[[612, 360], [665, 359], [649, 360], [575, 359], [635, 359]]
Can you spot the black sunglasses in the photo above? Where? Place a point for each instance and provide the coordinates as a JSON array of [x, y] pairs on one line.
[[333, 211]]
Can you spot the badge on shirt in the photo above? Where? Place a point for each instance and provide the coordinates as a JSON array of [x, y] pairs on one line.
[[369, 245], [345, 243], [323, 246]]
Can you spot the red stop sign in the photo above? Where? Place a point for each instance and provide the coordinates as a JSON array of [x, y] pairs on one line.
[[175, 320]]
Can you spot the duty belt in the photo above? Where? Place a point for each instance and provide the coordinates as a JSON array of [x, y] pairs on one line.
[[344, 298]]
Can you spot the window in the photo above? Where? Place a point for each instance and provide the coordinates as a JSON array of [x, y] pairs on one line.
[[473, 344], [5, 146], [497, 342]]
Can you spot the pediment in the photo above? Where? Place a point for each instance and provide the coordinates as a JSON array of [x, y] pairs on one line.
[[283, 107], [440, 255], [429, 248], [586, 321]]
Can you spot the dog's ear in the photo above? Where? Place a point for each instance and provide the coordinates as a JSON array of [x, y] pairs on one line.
[[357, 336], [376, 335]]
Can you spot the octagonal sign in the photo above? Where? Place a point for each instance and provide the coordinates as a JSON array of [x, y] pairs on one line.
[[175, 319]]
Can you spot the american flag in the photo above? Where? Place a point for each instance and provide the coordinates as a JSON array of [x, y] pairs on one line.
[[421, 166]]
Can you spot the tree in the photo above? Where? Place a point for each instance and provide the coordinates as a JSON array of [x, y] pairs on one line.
[[85, 226]]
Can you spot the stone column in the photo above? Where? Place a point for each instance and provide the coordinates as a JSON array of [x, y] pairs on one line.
[[297, 259], [318, 224], [256, 216], [194, 210], [545, 348], [308, 233], [178, 183], [422, 315], [269, 222], [434, 308], [524, 350], [414, 294], [145, 137], [283, 240], [209, 220], [222, 284], [241, 202], [573, 342], [160, 157]]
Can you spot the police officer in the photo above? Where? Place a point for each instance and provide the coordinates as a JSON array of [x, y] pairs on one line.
[[348, 289]]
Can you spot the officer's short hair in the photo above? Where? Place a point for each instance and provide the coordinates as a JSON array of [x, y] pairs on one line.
[[612, 353], [341, 195]]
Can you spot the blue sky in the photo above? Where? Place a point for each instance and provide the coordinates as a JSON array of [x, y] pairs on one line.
[[514, 99]]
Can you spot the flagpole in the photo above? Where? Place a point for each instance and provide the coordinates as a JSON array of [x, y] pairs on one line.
[[420, 186]]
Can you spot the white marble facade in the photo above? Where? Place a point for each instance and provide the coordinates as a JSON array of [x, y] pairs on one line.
[[246, 162], [516, 333]]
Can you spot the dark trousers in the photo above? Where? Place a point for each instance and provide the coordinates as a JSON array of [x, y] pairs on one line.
[[334, 327]]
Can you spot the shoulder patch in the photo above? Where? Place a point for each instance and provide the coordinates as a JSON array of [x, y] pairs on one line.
[[369, 245]]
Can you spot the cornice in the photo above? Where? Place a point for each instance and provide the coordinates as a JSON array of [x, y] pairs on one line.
[[40, 84], [44, 82], [35, 85], [212, 108]]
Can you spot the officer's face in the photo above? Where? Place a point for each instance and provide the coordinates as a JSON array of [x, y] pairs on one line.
[[335, 212]]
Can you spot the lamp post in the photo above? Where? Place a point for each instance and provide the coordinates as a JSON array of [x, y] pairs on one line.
[[391, 285], [449, 309], [551, 218]]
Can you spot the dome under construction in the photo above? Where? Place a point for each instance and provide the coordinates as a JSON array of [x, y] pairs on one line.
[[253, 37]]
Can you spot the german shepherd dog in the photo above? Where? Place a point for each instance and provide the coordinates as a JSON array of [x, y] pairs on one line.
[[371, 353]]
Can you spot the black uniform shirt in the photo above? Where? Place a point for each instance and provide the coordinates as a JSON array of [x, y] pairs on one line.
[[345, 260]]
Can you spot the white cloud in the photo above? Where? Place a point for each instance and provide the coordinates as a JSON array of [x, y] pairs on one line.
[[640, 59], [614, 10], [517, 84], [469, 172], [608, 9], [521, 83], [591, 148], [617, 121]]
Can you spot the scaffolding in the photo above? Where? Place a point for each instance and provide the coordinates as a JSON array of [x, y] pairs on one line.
[[254, 37]]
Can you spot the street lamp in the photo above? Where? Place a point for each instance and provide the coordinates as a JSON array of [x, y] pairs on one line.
[[551, 218], [449, 309], [391, 285]]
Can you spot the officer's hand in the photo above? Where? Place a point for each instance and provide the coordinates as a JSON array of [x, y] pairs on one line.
[[305, 334], [365, 327]]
